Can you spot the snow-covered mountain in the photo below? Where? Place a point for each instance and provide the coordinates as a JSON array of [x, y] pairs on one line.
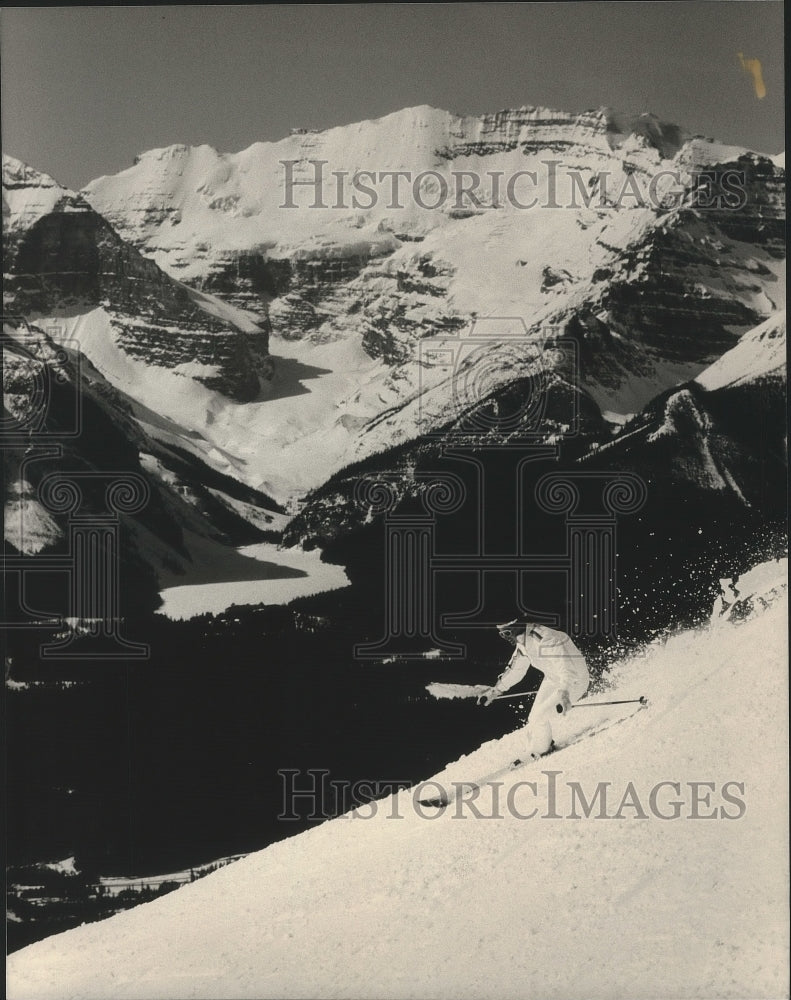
[[391, 323], [660, 287], [674, 883], [199, 212]]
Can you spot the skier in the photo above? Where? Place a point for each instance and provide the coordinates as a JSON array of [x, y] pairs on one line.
[[565, 671]]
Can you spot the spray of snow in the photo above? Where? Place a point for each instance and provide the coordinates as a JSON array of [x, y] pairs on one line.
[[438, 690]]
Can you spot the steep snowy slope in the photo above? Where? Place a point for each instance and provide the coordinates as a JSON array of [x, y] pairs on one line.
[[759, 356], [450, 903]]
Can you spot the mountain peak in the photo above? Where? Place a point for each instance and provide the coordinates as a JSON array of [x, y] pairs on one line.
[[174, 151], [16, 172], [30, 194]]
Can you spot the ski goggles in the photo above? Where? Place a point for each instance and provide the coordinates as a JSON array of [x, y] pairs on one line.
[[511, 630]]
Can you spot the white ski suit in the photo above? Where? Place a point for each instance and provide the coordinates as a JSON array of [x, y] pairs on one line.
[[566, 678]]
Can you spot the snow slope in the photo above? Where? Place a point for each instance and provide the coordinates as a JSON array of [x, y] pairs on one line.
[[466, 907], [286, 442], [760, 354]]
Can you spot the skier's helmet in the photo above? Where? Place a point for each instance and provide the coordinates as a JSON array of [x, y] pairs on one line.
[[511, 631]]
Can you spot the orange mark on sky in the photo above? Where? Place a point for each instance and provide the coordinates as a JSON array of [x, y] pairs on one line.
[[752, 67]]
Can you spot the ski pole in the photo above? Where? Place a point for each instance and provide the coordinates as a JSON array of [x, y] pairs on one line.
[[642, 700]]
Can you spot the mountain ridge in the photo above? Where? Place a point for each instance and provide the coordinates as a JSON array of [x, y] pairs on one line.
[[621, 118], [661, 292]]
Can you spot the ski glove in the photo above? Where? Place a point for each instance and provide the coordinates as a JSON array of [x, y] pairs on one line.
[[488, 696], [564, 702]]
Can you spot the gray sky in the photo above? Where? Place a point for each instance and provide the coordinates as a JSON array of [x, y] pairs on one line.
[[86, 89]]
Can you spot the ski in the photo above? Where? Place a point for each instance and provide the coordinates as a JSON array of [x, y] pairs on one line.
[[459, 787], [441, 801]]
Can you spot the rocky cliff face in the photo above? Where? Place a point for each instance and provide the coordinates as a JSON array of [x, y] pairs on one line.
[[61, 255]]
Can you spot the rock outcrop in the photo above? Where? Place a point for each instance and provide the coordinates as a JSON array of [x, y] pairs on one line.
[[61, 256]]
